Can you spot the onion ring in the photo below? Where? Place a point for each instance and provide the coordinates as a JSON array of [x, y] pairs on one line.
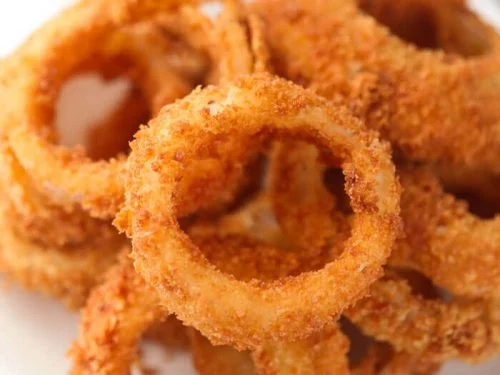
[[66, 274], [98, 186], [116, 315], [435, 330], [120, 310], [437, 229], [442, 239], [32, 217], [247, 108], [389, 82], [35, 214]]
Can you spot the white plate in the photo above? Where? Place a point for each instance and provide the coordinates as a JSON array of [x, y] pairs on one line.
[[36, 331]]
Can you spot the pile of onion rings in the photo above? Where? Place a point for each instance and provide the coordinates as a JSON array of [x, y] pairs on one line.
[[287, 187]]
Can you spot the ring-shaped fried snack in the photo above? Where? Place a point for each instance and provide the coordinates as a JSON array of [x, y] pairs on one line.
[[442, 238], [435, 242], [67, 274], [431, 105], [35, 211], [433, 329], [212, 302], [124, 306], [67, 175]]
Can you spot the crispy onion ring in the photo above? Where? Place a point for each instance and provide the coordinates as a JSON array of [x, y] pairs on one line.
[[116, 316], [388, 82], [120, 310], [33, 218], [97, 185], [437, 229], [464, 328], [67, 274], [35, 213], [442, 238], [166, 257]]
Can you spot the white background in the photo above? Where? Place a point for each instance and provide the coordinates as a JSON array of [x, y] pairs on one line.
[[35, 332]]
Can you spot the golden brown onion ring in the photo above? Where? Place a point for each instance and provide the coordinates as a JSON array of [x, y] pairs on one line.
[[67, 274], [388, 82], [74, 177], [35, 212], [456, 249], [442, 238], [120, 310], [223, 309], [34, 219], [433, 329], [116, 315]]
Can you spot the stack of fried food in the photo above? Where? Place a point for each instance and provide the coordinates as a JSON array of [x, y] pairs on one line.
[[314, 188]]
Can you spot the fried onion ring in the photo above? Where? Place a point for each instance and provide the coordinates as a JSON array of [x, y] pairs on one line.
[[434, 226], [442, 238], [97, 185], [343, 54], [165, 256], [67, 274], [121, 309], [35, 213], [465, 328], [33, 218]]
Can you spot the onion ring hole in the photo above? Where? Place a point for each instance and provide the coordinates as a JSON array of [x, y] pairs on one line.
[[88, 114]]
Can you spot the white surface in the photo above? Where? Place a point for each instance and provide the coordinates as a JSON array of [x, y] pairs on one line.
[[35, 331]]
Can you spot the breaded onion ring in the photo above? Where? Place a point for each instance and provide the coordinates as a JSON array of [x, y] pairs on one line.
[[67, 174], [116, 315], [33, 218], [164, 156], [442, 238], [67, 274], [431, 105], [35, 212], [120, 310], [433, 329]]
